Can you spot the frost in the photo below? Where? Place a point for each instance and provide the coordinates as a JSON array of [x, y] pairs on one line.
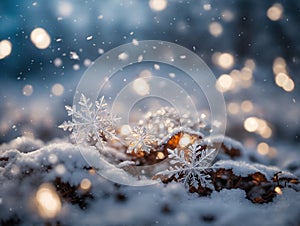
[[189, 167], [90, 123], [140, 139]]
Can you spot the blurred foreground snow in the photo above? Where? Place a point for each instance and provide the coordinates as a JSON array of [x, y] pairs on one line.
[[75, 195]]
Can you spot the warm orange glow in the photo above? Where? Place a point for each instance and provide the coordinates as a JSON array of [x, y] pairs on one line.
[[278, 190], [47, 201], [160, 155], [85, 184], [275, 12]]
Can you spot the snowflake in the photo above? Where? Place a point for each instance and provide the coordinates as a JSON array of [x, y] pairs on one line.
[[140, 139], [91, 123], [189, 166]]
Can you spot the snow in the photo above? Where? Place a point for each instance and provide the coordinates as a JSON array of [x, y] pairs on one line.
[[107, 203], [244, 169]]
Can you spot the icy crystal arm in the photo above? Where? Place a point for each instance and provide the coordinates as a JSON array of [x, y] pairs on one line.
[[91, 122]]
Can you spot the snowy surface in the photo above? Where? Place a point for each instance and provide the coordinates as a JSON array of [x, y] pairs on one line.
[[28, 163]]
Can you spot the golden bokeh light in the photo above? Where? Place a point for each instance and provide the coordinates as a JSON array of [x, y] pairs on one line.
[[260, 126], [5, 48], [40, 38], [263, 148], [225, 60], [282, 79], [85, 184], [251, 124], [47, 201], [289, 85], [224, 83], [275, 12], [278, 190], [215, 29], [160, 155], [158, 5]]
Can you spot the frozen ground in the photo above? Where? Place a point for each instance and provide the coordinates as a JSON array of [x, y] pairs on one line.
[[28, 165]]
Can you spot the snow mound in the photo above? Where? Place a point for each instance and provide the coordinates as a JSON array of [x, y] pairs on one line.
[[103, 202]]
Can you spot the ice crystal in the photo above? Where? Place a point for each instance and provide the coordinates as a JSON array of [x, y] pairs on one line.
[[140, 139], [189, 166], [91, 123], [166, 119]]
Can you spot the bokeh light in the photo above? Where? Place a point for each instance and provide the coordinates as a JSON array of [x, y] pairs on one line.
[[215, 29], [40, 38], [57, 89], [5, 48], [158, 5], [275, 12], [47, 201]]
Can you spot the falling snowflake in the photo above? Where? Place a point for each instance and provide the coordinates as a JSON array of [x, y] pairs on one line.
[[189, 167], [92, 123], [140, 139]]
